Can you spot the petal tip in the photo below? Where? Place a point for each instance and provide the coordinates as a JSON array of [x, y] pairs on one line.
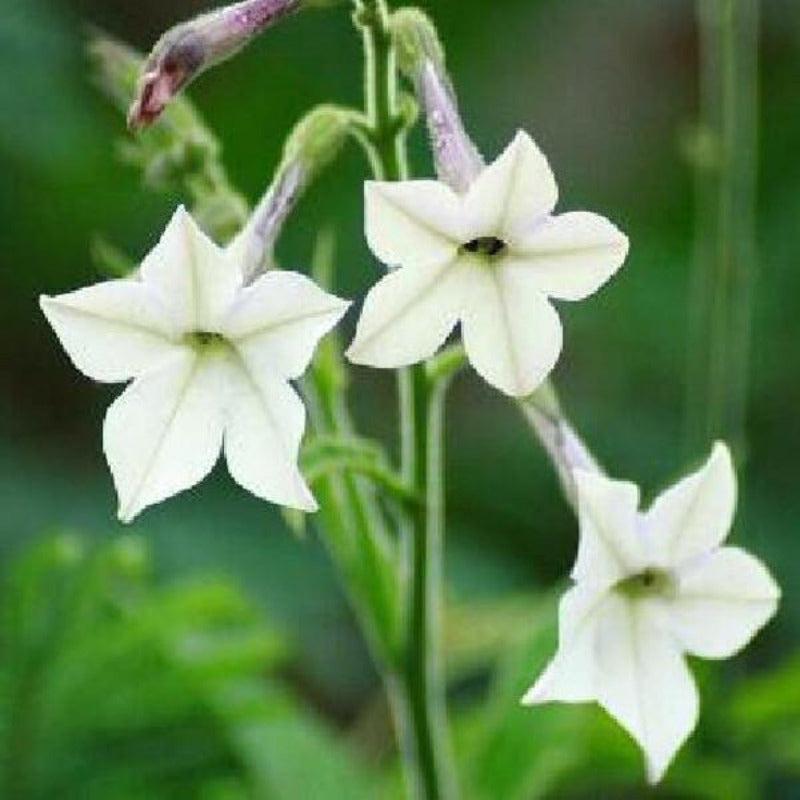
[[355, 355], [720, 452], [654, 772], [48, 306], [533, 697], [126, 513]]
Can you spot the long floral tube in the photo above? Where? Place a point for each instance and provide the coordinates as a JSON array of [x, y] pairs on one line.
[[560, 440], [458, 161], [313, 144]]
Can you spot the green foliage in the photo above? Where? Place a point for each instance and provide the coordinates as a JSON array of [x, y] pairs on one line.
[[114, 687]]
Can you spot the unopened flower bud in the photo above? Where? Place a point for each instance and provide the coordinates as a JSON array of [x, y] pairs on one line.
[[190, 48]]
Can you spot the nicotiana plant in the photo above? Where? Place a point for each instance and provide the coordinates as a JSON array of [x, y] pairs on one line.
[[211, 336]]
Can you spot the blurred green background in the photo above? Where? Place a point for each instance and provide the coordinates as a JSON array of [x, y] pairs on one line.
[[609, 89]]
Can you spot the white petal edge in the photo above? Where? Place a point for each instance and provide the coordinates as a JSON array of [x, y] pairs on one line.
[[570, 677], [410, 313], [164, 433], [695, 515], [266, 421], [512, 335], [571, 255], [278, 321], [194, 277], [511, 194], [644, 683], [112, 331], [723, 600], [413, 222], [610, 547]]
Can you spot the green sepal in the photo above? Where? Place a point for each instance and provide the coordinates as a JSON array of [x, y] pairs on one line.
[[415, 41]]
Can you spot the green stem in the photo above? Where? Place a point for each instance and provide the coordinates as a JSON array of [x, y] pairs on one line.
[[725, 236], [424, 669], [420, 710], [355, 532]]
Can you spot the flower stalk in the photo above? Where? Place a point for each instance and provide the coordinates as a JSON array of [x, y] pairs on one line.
[[420, 712]]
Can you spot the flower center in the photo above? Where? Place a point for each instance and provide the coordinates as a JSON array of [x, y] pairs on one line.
[[651, 582], [486, 246], [203, 340]]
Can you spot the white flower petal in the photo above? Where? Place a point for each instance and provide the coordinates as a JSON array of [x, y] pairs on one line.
[[571, 255], [262, 438], [192, 276], [112, 331], [409, 314], [413, 223], [512, 194], [570, 676], [164, 433], [694, 516], [610, 548], [723, 600], [512, 334], [278, 320], [644, 683]]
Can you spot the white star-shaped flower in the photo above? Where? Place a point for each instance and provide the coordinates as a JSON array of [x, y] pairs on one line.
[[651, 587], [210, 359], [489, 259]]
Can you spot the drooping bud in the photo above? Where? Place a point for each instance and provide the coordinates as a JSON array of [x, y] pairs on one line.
[[190, 48], [315, 141], [420, 56]]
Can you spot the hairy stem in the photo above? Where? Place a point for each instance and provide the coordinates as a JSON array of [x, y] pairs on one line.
[[725, 226]]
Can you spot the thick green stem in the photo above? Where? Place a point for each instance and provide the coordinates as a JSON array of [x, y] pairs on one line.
[[419, 700], [726, 208]]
